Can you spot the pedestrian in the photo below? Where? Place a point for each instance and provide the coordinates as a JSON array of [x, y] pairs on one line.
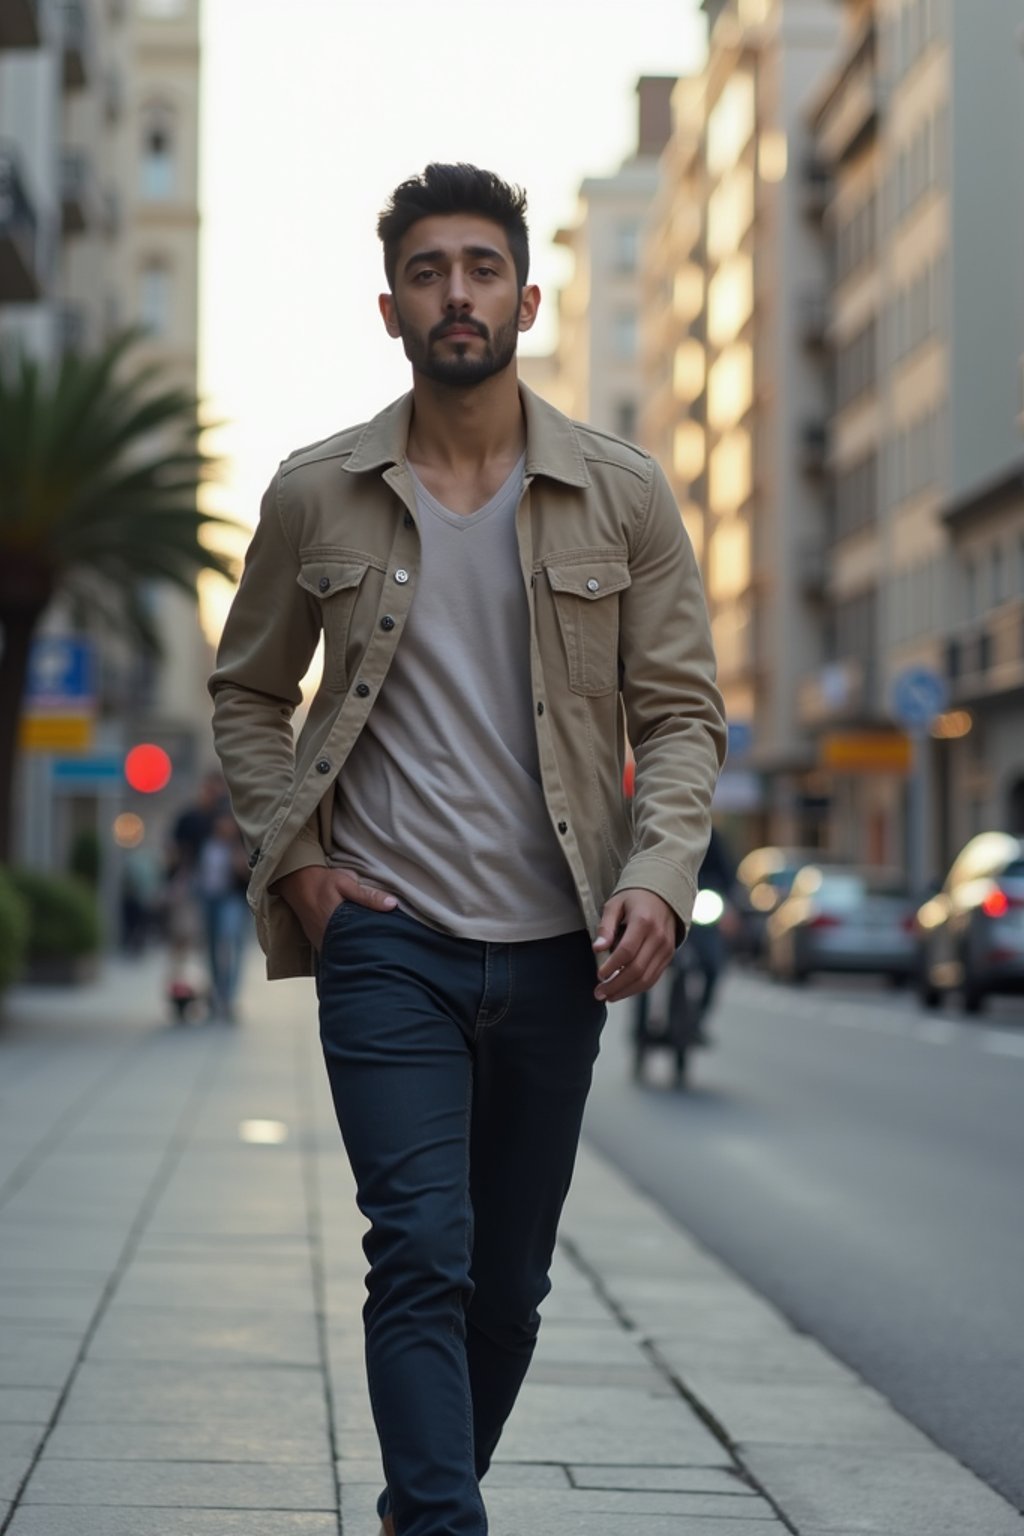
[[447, 846], [184, 920], [221, 879]]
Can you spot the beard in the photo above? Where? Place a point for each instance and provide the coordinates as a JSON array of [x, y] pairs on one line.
[[460, 368]]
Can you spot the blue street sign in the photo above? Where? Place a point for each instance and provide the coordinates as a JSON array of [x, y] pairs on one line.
[[918, 695], [741, 738], [60, 674], [87, 772]]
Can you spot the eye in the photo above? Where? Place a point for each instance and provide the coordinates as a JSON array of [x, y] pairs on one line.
[[423, 274], [485, 272]]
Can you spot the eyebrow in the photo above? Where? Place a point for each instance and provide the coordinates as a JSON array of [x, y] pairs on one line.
[[488, 252]]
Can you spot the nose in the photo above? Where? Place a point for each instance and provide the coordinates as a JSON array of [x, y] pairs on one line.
[[457, 298]]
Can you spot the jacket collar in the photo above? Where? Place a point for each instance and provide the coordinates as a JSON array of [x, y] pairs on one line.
[[552, 443]]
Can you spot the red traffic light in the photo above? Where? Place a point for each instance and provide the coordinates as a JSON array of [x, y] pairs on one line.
[[147, 768]]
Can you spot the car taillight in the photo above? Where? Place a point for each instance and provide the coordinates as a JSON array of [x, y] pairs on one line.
[[996, 904], [825, 920], [909, 924]]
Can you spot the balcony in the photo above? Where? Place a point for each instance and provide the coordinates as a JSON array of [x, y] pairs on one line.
[[76, 41], [19, 274], [812, 319], [815, 187], [76, 194], [851, 117], [19, 24], [984, 660], [814, 446], [811, 569]]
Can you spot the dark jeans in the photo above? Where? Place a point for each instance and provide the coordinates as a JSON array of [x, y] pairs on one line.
[[459, 1071]]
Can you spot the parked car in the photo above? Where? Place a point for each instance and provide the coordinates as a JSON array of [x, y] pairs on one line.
[[848, 919], [763, 880], [971, 934]]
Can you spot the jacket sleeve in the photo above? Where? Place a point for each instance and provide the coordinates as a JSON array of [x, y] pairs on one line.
[[269, 638], [674, 712]]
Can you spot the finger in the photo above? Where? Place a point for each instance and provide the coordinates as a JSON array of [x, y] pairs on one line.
[[611, 918], [637, 975], [370, 896]]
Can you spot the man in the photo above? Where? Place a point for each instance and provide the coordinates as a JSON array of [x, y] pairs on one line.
[[447, 845]]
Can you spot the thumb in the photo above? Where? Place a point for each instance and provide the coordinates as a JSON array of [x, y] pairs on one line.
[[611, 918]]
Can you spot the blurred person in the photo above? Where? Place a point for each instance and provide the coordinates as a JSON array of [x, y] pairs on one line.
[[447, 846], [142, 891], [708, 943], [222, 875], [184, 920]]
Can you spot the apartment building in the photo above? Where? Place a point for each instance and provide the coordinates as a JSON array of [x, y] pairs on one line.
[[99, 224], [594, 374], [734, 283], [916, 144]]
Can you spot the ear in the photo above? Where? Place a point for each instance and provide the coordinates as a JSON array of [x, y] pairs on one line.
[[529, 303], [386, 305]]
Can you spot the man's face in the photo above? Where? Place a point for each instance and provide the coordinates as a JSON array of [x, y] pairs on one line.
[[457, 304]]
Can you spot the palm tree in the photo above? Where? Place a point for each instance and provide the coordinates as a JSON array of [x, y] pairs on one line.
[[100, 465]]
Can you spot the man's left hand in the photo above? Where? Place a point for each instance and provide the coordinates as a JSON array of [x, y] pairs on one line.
[[635, 941]]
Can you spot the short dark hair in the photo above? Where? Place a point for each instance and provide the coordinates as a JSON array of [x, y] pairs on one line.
[[456, 189]]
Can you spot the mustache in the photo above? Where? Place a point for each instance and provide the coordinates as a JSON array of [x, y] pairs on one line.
[[441, 330]]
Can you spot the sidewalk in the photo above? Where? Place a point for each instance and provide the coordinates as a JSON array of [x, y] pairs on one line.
[[180, 1349]]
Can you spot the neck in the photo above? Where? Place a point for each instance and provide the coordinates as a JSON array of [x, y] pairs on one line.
[[463, 428]]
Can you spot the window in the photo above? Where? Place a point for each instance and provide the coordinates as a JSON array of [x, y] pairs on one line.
[[162, 10], [625, 335], [627, 246], [155, 297], [157, 162], [625, 419]]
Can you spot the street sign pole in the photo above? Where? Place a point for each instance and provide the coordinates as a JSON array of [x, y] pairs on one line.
[[918, 695]]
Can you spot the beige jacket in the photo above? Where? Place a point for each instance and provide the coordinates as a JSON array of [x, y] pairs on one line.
[[617, 613]]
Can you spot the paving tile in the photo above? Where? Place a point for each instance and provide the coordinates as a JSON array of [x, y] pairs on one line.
[[188, 1394], [876, 1493], [516, 1513], [209, 1335], [846, 1415], [188, 1485], [50, 1520], [710, 1479], [27, 1405], [207, 1439], [606, 1423]]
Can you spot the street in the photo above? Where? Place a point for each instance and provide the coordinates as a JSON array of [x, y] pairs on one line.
[[859, 1163]]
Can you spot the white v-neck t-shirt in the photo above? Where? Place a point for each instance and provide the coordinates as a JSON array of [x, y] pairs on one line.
[[440, 800]]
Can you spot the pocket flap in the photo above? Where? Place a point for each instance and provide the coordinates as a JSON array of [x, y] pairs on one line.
[[592, 580], [323, 577]]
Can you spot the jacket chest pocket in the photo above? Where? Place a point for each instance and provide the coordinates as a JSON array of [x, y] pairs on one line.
[[335, 583], [586, 599]]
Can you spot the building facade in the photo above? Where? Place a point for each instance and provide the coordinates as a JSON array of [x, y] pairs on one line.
[[915, 133], [99, 231], [595, 374]]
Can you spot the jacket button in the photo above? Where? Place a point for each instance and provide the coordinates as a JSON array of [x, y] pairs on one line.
[[323, 766], [363, 690], [563, 826], [387, 622], [593, 586], [540, 706], [401, 577], [324, 583]]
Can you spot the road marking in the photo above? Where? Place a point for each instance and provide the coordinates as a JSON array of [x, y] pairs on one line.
[[999, 1043]]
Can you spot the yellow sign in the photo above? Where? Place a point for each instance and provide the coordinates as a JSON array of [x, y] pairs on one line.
[[865, 752], [55, 733]]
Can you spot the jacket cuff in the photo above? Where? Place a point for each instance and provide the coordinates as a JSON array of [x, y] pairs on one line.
[[303, 853], [647, 872]]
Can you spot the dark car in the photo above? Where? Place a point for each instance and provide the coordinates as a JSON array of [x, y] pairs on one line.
[[763, 880], [971, 934], [843, 919]]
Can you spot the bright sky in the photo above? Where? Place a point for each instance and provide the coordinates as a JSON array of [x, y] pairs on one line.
[[314, 110]]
